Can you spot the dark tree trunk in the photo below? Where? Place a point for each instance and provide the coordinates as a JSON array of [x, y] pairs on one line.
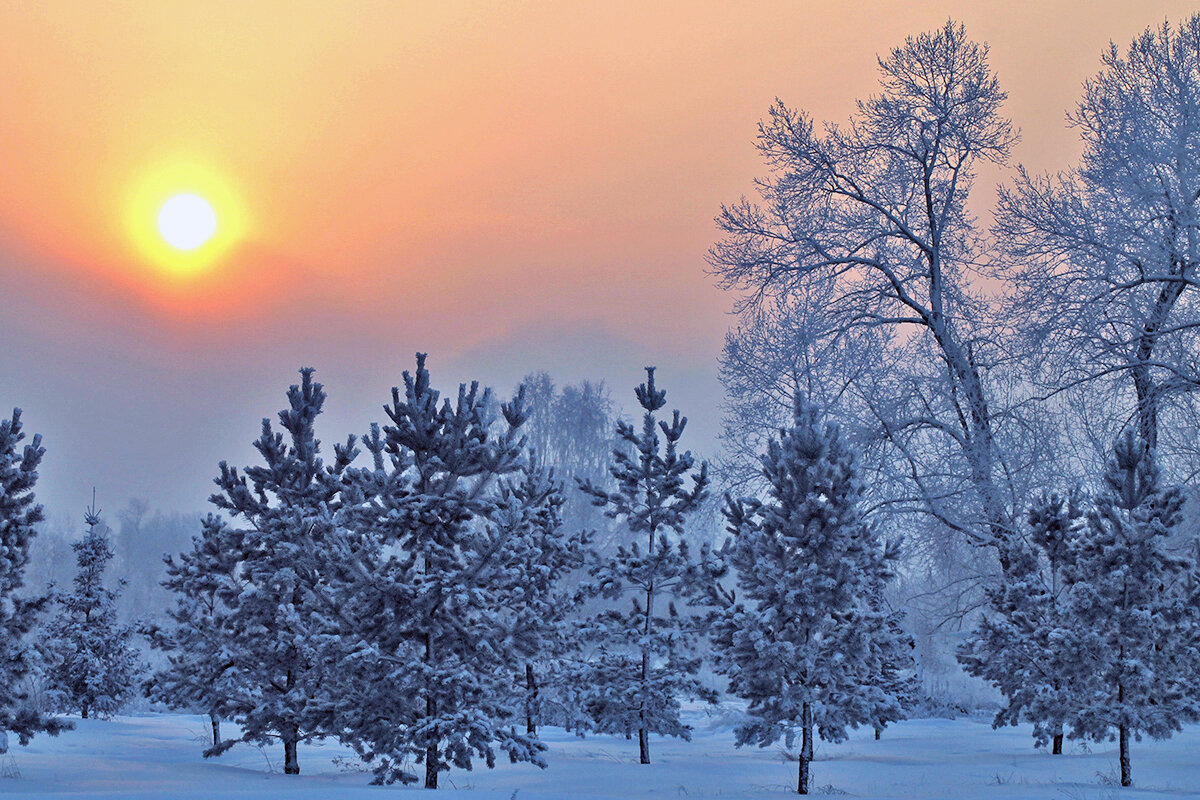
[[1123, 734], [806, 751], [1126, 780], [431, 749], [290, 736], [643, 734], [431, 770], [643, 745], [1058, 740], [877, 732], [531, 701], [291, 764], [216, 728], [83, 712]]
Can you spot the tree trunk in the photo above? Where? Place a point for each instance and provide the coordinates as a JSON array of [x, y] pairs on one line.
[[431, 749], [643, 734], [877, 732], [83, 712], [806, 751], [531, 700], [290, 735], [216, 728], [291, 764], [1144, 385], [431, 770], [1058, 740], [1126, 780]]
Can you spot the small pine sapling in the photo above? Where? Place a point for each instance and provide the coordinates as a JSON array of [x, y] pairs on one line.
[[200, 671], [534, 554], [427, 578], [93, 666], [646, 661]]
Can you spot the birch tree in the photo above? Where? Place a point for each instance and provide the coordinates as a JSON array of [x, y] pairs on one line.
[[877, 210], [1109, 249]]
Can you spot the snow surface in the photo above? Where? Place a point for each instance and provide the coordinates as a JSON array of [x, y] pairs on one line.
[[158, 755]]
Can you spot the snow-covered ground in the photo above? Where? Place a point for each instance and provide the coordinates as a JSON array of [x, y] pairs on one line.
[[158, 755]]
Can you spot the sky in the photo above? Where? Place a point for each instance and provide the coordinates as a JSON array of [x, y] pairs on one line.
[[508, 186]]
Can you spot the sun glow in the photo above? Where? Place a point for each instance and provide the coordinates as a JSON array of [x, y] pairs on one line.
[[184, 218], [187, 221]]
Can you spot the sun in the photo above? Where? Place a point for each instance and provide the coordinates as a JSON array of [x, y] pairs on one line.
[[187, 221], [185, 218]]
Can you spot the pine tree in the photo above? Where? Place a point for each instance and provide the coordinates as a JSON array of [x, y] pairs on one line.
[[19, 516], [426, 577], [1134, 623], [93, 665], [807, 644], [898, 677], [200, 671], [1023, 644], [645, 662], [274, 628], [534, 554]]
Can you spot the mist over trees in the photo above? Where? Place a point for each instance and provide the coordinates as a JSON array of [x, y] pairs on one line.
[[570, 430]]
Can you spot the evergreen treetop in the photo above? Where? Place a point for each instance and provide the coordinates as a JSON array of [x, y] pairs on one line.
[[19, 517]]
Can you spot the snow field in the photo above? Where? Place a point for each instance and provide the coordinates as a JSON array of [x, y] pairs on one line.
[[158, 756]]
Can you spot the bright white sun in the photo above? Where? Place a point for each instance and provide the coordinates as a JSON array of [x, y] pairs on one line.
[[187, 221]]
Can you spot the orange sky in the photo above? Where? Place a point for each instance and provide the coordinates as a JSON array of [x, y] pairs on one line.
[[507, 185]]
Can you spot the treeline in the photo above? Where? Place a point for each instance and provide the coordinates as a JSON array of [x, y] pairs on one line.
[[429, 606]]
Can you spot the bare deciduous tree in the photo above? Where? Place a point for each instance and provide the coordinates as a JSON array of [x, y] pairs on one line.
[[1110, 249], [873, 215]]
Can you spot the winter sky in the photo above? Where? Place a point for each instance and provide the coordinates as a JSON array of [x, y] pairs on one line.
[[507, 185]]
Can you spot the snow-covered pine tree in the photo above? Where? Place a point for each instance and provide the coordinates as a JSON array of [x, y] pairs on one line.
[[898, 675], [1135, 627], [645, 662], [93, 666], [275, 629], [1024, 643], [806, 643], [424, 604], [19, 516], [200, 671], [534, 554]]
